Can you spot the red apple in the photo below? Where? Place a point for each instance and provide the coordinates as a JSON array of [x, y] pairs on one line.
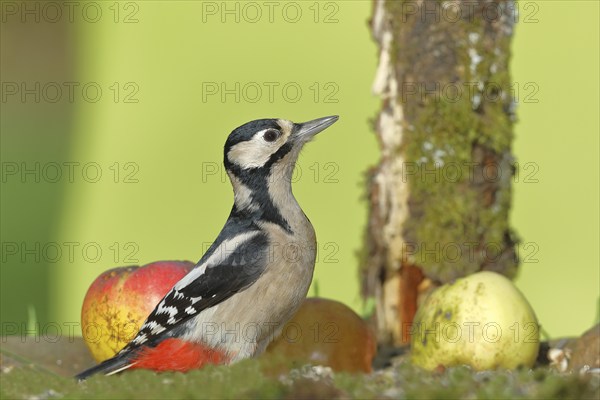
[[120, 299], [324, 332]]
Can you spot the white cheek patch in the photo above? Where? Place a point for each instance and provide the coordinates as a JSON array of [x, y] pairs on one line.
[[255, 152], [250, 154]]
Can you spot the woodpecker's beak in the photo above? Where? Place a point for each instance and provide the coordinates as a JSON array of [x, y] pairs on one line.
[[307, 130]]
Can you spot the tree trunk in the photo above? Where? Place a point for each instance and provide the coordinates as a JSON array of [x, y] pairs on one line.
[[440, 195]]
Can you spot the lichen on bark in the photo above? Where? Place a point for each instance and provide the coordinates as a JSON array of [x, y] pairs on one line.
[[440, 196]]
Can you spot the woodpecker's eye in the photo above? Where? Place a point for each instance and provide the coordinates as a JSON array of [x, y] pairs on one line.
[[271, 135]]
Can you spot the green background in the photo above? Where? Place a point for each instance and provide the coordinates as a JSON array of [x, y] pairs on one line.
[[163, 132]]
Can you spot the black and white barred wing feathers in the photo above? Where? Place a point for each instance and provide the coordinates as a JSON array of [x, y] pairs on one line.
[[226, 269]]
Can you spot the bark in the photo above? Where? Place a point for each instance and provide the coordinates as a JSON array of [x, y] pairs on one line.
[[440, 195]]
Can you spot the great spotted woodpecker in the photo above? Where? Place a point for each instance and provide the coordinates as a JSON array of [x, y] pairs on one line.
[[255, 275]]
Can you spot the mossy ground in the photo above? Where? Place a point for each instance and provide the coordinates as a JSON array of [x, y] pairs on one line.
[[247, 380]]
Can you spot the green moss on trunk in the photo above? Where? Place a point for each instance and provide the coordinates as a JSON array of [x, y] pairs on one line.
[[451, 66], [455, 90], [442, 191]]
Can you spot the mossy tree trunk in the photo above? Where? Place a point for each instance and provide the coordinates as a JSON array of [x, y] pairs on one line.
[[440, 195]]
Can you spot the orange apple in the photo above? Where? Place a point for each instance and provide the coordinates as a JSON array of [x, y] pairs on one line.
[[324, 332], [119, 300]]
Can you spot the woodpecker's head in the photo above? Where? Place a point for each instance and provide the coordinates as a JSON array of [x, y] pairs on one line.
[[265, 147], [260, 157]]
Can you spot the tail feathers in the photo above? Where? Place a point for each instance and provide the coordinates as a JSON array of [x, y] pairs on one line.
[[168, 355], [111, 366]]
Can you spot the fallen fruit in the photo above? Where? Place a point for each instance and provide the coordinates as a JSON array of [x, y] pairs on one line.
[[120, 299], [324, 332], [481, 320], [586, 352]]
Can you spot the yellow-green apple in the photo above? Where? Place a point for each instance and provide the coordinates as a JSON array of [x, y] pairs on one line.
[[120, 299], [481, 320]]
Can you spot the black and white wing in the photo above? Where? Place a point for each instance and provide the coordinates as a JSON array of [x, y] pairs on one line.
[[228, 267]]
